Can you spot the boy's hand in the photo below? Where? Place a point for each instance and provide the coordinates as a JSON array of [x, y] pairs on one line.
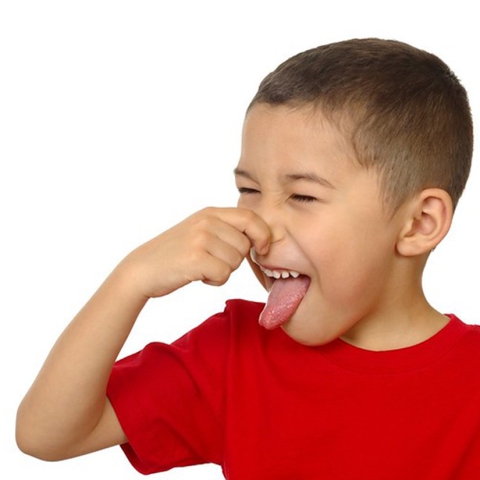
[[207, 246], [65, 413]]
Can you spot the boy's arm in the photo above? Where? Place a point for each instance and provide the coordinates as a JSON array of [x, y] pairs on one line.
[[66, 412]]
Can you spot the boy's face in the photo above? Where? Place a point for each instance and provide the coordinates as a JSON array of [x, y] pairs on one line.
[[300, 175]]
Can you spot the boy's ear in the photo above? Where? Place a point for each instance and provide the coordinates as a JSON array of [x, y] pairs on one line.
[[427, 221]]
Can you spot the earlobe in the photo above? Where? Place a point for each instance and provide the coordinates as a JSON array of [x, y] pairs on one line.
[[428, 219]]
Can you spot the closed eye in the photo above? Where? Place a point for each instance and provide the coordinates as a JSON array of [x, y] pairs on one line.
[[247, 191], [303, 198]]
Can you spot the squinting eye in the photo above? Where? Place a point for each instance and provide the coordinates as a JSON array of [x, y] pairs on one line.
[[247, 191], [303, 198]]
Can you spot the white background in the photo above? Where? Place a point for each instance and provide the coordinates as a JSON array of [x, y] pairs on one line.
[[119, 118]]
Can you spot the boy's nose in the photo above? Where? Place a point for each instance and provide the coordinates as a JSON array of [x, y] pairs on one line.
[[275, 219]]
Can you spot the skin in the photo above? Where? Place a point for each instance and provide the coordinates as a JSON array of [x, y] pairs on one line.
[[305, 205], [328, 222], [66, 412]]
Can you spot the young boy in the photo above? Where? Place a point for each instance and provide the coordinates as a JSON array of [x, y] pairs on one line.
[[354, 156]]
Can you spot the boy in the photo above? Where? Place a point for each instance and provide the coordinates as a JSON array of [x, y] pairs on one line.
[[354, 156]]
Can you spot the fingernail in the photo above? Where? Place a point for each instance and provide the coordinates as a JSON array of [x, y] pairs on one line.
[[263, 250]]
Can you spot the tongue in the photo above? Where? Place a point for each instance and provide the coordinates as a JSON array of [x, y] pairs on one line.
[[284, 298]]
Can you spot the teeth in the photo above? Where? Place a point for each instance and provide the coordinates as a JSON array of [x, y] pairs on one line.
[[280, 273]]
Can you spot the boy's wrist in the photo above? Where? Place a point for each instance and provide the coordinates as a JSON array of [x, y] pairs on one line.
[[125, 280]]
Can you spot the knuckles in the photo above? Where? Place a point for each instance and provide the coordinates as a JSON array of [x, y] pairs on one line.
[[223, 275], [210, 252]]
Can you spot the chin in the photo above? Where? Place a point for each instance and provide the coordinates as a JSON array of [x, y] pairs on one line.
[[307, 335]]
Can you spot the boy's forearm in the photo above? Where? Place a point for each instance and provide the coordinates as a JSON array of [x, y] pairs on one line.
[[66, 412], [67, 399]]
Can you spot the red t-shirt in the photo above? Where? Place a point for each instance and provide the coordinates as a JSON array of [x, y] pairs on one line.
[[265, 407]]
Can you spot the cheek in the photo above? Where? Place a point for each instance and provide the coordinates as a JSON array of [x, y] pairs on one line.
[[355, 273], [323, 243], [248, 201], [347, 258]]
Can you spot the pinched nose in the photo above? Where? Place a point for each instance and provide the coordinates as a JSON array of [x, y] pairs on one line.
[[274, 217]]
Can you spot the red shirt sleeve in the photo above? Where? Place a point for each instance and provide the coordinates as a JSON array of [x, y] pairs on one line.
[[169, 400]]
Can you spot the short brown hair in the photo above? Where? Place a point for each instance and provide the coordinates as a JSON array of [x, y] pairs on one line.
[[404, 110]]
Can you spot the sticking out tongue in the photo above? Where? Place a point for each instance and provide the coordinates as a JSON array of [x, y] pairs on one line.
[[284, 298]]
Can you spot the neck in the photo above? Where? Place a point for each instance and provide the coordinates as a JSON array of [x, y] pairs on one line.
[[397, 331], [403, 319]]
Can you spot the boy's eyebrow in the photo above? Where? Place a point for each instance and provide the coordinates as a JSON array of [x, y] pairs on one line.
[[238, 172], [292, 177], [308, 177]]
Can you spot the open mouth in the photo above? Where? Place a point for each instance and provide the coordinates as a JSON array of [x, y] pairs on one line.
[[287, 290]]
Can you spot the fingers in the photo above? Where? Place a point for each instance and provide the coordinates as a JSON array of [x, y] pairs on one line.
[[223, 238], [247, 222], [207, 246], [231, 249]]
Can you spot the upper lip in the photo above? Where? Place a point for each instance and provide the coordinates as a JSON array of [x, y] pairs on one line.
[[274, 271]]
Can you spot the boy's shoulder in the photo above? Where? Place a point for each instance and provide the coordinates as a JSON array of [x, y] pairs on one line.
[[471, 334]]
